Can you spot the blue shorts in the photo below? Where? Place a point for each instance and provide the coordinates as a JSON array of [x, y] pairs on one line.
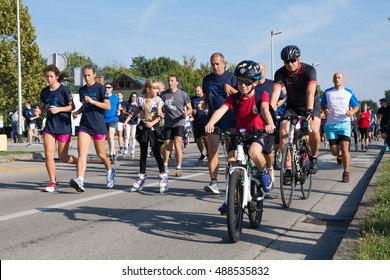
[[334, 131]]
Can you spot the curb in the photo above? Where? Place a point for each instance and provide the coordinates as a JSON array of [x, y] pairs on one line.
[[348, 246]]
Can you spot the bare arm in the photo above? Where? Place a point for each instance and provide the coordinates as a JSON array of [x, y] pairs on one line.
[[217, 115], [275, 96]]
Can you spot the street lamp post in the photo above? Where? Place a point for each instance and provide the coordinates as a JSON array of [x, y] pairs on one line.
[[272, 51]]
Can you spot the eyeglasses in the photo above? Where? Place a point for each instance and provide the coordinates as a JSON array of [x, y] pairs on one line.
[[290, 61], [108, 87], [244, 82]]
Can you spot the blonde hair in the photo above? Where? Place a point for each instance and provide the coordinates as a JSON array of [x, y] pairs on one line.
[[150, 83]]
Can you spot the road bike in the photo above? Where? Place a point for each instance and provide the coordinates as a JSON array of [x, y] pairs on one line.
[[296, 154], [244, 192]]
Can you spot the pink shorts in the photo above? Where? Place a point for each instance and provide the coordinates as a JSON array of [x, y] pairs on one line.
[[95, 137], [60, 137]]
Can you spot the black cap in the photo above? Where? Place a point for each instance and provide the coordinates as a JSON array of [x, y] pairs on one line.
[[383, 100]]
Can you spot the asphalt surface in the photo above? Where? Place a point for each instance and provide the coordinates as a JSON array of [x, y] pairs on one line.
[[347, 247]]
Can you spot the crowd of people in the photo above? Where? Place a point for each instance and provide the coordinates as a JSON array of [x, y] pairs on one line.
[[162, 120]]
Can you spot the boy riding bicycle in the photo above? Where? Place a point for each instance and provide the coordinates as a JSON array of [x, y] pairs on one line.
[[248, 116]]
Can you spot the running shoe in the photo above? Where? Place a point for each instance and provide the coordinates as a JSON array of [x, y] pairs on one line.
[[163, 183], [212, 187], [287, 177], [121, 151], [346, 177], [339, 160], [52, 187], [111, 178], [202, 157], [77, 184], [178, 172], [139, 184], [266, 181], [313, 165], [223, 209]]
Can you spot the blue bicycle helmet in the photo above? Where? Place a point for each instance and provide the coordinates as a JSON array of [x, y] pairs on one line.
[[248, 69]]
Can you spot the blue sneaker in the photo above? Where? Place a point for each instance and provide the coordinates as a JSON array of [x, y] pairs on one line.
[[223, 209], [387, 148], [266, 181]]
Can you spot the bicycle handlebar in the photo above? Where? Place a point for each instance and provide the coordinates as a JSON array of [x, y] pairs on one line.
[[293, 118]]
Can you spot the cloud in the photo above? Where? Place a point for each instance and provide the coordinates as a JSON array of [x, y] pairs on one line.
[[150, 11]]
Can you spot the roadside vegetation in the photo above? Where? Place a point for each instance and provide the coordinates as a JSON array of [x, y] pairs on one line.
[[375, 231]]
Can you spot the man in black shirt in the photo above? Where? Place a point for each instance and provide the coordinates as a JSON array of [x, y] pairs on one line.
[[383, 116], [300, 80]]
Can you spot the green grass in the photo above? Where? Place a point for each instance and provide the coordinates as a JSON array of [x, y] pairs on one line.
[[6, 153], [375, 231]]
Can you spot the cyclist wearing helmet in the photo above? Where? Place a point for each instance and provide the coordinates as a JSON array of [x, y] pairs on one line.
[[248, 73], [300, 80]]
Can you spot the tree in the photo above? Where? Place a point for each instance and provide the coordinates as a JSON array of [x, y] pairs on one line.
[[31, 66]]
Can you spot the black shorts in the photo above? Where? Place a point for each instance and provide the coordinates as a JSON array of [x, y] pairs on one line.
[[171, 132], [199, 130], [265, 141]]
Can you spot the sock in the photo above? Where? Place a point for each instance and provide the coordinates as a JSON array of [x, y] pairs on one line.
[[109, 172], [178, 167], [80, 178]]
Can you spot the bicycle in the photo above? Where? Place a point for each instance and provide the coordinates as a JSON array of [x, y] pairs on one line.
[[244, 193], [298, 152]]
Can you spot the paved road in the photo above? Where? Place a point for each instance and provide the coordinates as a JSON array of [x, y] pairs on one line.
[[182, 224]]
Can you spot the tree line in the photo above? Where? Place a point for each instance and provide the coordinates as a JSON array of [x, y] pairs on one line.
[[32, 64]]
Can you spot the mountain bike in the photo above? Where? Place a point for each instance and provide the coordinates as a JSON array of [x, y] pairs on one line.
[[296, 153], [244, 192]]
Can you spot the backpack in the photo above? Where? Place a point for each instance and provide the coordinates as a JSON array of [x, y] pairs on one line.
[[258, 95]]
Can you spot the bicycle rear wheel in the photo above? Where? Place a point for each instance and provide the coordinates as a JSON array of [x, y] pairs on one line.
[[235, 211], [306, 176], [287, 190]]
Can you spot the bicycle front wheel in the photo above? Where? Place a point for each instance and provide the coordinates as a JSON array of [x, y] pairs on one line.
[[306, 176], [255, 207], [235, 211], [287, 180]]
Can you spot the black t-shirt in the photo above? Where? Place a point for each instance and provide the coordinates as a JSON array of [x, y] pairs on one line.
[[385, 112], [296, 86], [61, 122]]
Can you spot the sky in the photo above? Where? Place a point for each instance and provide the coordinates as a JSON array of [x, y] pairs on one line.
[[352, 37]]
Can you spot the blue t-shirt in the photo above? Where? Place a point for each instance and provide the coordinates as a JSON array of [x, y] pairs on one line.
[[200, 117], [214, 88], [110, 115], [28, 114], [61, 122], [92, 119], [268, 87]]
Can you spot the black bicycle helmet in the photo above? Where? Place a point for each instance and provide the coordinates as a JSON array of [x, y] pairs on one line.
[[290, 52], [248, 69]]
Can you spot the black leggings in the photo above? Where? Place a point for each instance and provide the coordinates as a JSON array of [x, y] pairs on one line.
[[144, 155]]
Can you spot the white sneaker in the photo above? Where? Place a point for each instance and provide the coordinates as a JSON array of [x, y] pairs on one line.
[[52, 187], [111, 178], [139, 184], [212, 188], [163, 184], [77, 184]]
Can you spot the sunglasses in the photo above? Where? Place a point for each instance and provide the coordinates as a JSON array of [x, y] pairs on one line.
[[244, 82], [290, 61], [108, 87]]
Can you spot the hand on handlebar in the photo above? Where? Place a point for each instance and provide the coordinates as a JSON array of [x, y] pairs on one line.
[[209, 128]]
